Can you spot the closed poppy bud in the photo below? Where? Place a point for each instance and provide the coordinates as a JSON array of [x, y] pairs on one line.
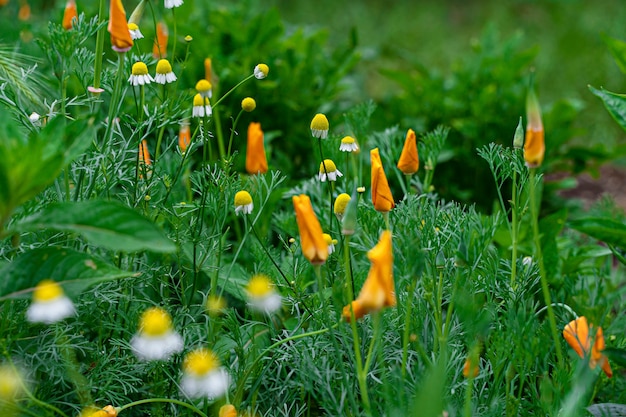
[[314, 247], [534, 145], [144, 154], [381, 193], [69, 14], [470, 369], [121, 40], [409, 162], [256, 161], [378, 290], [184, 137], [23, 13], [159, 49]]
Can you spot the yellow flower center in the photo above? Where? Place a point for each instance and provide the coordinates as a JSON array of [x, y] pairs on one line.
[[319, 122], [203, 86], [155, 322], [200, 362], [163, 67], [188, 38], [259, 286], [330, 166], [132, 26], [328, 239], [10, 383], [139, 68], [248, 104], [348, 140], [47, 290], [242, 198], [197, 101], [341, 202], [215, 305], [264, 69]]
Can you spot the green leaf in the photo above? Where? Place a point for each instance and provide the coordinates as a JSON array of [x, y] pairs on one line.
[[75, 271], [618, 50], [614, 103], [616, 355], [107, 224], [607, 230]]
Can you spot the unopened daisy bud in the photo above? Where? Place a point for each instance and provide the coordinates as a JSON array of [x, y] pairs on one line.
[[170, 4], [360, 189], [243, 203], [156, 338], [215, 305], [341, 202], [50, 304], [188, 38], [228, 410], [348, 144], [319, 126], [201, 106], [330, 242], [261, 71], [164, 73], [203, 377], [139, 75], [329, 170], [261, 294], [518, 138], [184, 137], [248, 104], [204, 88], [135, 33]]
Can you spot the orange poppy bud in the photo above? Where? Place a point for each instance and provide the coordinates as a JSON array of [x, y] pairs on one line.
[[470, 369], [208, 71], [314, 247], [256, 161], [381, 194], [118, 27], [144, 154], [576, 334], [69, 14], [184, 137], [378, 290], [4, 2], [159, 49], [534, 145], [24, 13], [409, 162]]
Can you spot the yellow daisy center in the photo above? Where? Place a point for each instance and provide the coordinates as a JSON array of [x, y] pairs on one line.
[[155, 322], [248, 104], [215, 305], [139, 68], [133, 26], [341, 202], [200, 362], [348, 140], [163, 67], [264, 69], [243, 198], [330, 166], [319, 122], [47, 290], [198, 101], [328, 239], [259, 286], [203, 86]]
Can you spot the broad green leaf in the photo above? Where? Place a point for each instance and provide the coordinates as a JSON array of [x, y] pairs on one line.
[[604, 229], [107, 224], [614, 103], [618, 50], [75, 271]]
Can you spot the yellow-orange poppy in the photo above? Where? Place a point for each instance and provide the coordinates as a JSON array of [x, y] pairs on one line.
[[159, 48], [184, 137], [69, 14], [409, 162], [144, 154], [534, 145], [381, 193], [256, 161], [378, 290], [314, 246], [577, 335], [118, 27]]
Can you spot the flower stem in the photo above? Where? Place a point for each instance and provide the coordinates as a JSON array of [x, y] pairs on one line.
[[97, 68], [232, 133], [407, 329], [514, 222], [542, 270], [161, 400]]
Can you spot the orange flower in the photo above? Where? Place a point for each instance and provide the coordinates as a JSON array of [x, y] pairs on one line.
[[118, 27], [409, 162], [24, 13], [184, 137], [534, 145], [256, 161], [381, 194], [470, 369], [159, 49], [4, 2], [69, 14], [378, 290], [576, 333], [228, 410], [314, 247], [208, 71], [144, 154]]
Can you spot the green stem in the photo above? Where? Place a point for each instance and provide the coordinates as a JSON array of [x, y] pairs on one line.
[[231, 90], [97, 69], [407, 329], [348, 268], [175, 35], [161, 400], [542, 270], [232, 133], [514, 231]]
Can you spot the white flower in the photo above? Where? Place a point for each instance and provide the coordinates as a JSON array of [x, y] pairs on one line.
[[135, 33], [243, 203], [261, 71], [201, 109], [348, 144], [261, 294], [331, 243], [156, 339], [170, 4], [139, 75], [203, 377], [50, 304], [164, 73], [328, 170], [35, 119]]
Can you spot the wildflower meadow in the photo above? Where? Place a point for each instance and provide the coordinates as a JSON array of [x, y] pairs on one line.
[[195, 220]]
